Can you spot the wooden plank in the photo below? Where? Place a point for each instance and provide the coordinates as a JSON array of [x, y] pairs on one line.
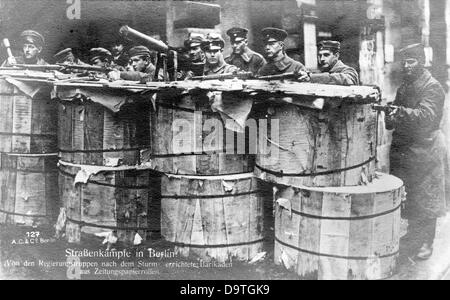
[[21, 124], [334, 237], [78, 117], [44, 121], [98, 204], [184, 130], [65, 129], [93, 134], [6, 116], [30, 197], [113, 133], [70, 197]]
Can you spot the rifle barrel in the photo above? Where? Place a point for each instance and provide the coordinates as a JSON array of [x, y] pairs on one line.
[[278, 76]]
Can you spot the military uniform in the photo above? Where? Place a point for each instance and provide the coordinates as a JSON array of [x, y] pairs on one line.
[[418, 151], [29, 37], [281, 65], [215, 42], [149, 72], [66, 56], [192, 67], [249, 60], [101, 54], [339, 74], [223, 69]]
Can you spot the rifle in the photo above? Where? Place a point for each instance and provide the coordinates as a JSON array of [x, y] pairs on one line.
[[289, 75], [238, 75], [387, 109], [60, 67]]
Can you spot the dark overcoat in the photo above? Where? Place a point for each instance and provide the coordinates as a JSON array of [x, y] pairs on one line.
[[418, 152]]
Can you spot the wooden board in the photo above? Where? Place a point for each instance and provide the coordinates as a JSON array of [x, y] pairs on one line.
[[29, 190], [27, 125], [211, 220], [303, 141], [340, 233], [354, 94], [116, 199], [188, 138], [92, 135]]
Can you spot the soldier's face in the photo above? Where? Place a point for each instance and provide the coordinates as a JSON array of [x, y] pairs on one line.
[[98, 62], [327, 59], [30, 51], [139, 63], [410, 66], [239, 46], [117, 49], [273, 49], [196, 53], [213, 56]]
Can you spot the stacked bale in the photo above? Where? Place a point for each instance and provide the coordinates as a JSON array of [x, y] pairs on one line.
[[211, 206], [335, 217], [28, 156], [101, 184]]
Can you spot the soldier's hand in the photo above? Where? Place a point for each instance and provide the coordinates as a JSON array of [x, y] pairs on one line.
[[11, 60], [189, 75], [114, 75], [303, 76]]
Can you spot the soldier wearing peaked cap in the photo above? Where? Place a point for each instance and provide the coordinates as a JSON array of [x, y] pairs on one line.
[[195, 63], [143, 69], [277, 60], [215, 63], [100, 57], [418, 151], [243, 57], [32, 45], [66, 56], [333, 70]]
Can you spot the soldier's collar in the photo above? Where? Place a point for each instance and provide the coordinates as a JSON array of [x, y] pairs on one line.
[[215, 70], [247, 55], [282, 63]]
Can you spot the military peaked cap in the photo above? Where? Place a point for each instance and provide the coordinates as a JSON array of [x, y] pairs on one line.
[[194, 40], [237, 33], [416, 51], [100, 53], [32, 37], [329, 45], [214, 41], [139, 51], [271, 34]]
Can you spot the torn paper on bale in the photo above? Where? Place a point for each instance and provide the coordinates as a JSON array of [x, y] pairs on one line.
[[110, 99], [233, 111], [28, 88]]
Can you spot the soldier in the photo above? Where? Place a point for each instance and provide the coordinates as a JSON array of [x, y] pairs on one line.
[[119, 51], [418, 149], [196, 61], [333, 70], [215, 63], [32, 44], [66, 56], [143, 69], [100, 57], [243, 57], [277, 60]]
